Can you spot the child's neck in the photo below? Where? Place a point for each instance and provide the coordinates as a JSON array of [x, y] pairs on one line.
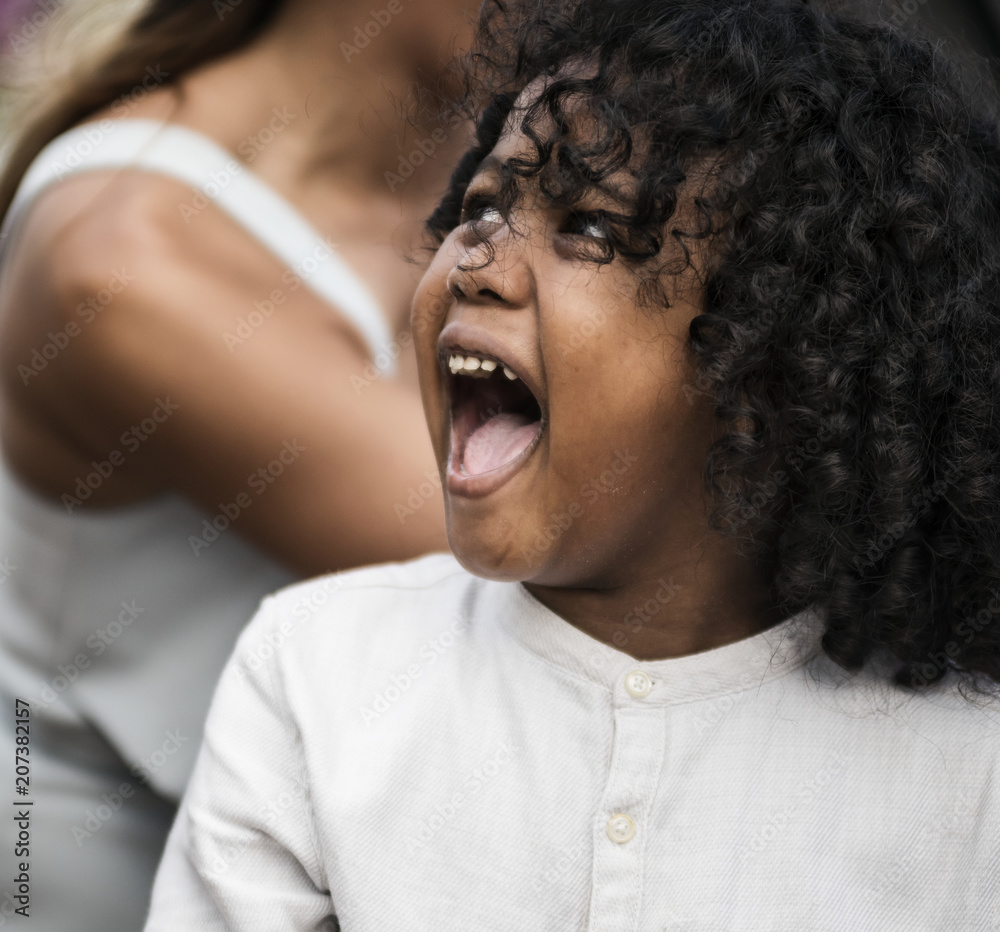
[[696, 604]]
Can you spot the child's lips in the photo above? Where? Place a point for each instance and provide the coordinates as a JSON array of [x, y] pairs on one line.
[[460, 337], [496, 419]]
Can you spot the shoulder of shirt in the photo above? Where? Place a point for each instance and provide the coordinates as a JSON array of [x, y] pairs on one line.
[[428, 572], [328, 640], [374, 594], [947, 712]]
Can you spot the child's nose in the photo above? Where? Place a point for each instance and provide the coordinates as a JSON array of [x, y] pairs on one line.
[[491, 272]]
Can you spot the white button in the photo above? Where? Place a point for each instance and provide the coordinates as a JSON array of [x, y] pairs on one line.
[[620, 829], [638, 684]]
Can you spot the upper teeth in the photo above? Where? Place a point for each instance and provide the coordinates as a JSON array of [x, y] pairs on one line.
[[475, 365]]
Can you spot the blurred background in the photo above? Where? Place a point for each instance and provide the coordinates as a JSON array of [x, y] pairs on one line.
[[972, 27], [974, 24]]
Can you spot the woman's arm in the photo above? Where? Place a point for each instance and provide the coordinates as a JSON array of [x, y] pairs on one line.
[[278, 425]]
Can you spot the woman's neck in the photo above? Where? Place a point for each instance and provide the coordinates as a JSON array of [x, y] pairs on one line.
[[326, 92]]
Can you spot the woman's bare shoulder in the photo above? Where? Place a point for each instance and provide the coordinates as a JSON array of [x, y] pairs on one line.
[[85, 229], [109, 298]]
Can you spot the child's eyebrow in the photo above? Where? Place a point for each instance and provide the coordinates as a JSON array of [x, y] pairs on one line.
[[491, 164]]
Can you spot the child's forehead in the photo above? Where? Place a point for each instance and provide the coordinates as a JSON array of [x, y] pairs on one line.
[[511, 167], [513, 141], [526, 154], [574, 101]]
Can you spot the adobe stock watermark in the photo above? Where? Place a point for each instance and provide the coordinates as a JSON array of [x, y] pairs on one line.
[[7, 569], [919, 504], [131, 439], [904, 10], [703, 386], [568, 858], [258, 482], [388, 354], [170, 745], [640, 615], [59, 339], [719, 707], [270, 642], [92, 135], [370, 29], [15, 904], [221, 178], [589, 492], [229, 853], [940, 661], [251, 147], [446, 811], [588, 328], [399, 683], [805, 792], [901, 869], [265, 308], [423, 149], [97, 643], [418, 496], [767, 491], [30, 27], [222, 8], [97, 816], [391, 351]]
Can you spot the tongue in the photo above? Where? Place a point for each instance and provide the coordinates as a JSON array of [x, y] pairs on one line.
[[497, 442]]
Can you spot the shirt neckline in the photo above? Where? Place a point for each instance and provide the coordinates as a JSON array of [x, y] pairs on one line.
[[744, 664]]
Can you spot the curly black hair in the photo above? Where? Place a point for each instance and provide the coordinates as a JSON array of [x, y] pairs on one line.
[[850, 340]]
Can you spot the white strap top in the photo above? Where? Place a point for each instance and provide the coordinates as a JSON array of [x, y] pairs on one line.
[[188, 156]]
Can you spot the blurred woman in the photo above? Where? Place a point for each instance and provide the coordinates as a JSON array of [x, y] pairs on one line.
[[206, 387]]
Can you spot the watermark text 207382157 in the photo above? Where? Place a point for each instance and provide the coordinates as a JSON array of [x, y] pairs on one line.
[[22, 808]]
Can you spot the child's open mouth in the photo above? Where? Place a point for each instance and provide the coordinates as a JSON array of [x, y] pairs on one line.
[[495, 420]]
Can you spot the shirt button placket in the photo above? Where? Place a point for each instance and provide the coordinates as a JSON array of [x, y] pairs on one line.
[[619, 840]]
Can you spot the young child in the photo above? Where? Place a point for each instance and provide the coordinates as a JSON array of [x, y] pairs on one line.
[[710, 357]]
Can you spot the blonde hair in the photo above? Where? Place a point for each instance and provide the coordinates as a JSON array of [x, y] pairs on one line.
[[113, 51]]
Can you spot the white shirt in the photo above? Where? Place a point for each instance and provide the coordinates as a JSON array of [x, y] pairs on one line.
[[412, 748]]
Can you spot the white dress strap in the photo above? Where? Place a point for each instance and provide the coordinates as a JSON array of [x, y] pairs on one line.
[[220, 178]]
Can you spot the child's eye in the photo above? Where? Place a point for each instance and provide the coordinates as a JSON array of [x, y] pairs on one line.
[[479, 208], [591, 224]]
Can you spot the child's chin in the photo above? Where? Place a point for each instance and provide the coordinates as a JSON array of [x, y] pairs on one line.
[[488, 561]]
